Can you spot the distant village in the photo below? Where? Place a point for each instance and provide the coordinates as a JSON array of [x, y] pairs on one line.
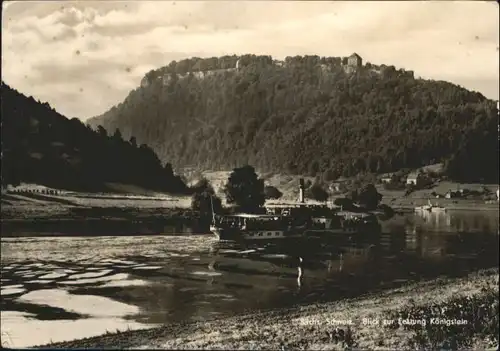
[[350, 64], [429, 177]]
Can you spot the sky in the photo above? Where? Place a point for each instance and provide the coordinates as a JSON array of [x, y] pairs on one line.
[[83, 57]]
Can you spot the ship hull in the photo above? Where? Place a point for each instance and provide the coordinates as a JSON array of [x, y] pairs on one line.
[[234, 234]]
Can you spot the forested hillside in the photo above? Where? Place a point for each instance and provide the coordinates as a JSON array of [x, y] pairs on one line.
[[41, 146], [308, 115]]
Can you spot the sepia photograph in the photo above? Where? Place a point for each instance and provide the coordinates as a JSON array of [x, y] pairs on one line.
[[258, 175]]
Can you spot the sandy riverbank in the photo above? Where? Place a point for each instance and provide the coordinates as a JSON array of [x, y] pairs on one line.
[[93, 214], [29, 206], [325, 326]]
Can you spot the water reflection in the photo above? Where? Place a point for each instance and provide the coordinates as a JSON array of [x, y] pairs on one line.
[[135, 282], [457, 221]]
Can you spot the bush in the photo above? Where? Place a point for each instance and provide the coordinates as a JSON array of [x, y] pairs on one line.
[[388, 211], [204, 198], [344, 202], [316, 192], [200, 186], [369, 197], [271, 192], [245, 189], [480, 312]]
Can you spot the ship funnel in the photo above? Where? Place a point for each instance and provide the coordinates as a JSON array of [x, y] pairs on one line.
[[301, 190]]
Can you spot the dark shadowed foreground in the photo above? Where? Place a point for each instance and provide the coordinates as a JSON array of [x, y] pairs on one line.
[[376, 321]]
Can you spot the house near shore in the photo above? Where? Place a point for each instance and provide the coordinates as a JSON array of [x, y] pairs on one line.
[[415, 178], [388, 178], [338, 185], [335, 187]]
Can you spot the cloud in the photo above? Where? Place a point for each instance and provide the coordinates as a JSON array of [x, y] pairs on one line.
[[84, 57]]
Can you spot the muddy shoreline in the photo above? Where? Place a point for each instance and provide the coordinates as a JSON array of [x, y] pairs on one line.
[[311, 326]]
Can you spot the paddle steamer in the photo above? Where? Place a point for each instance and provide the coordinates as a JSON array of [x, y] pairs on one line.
[[296, 221]]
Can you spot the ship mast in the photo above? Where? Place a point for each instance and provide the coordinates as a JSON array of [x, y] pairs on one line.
[[213, 212]]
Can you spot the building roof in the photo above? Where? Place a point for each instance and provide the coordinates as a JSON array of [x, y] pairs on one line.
[[251, 215], [413, 175], [355, 55], [354, 214], [341, 179], [387, 175], [286, 204], [287, 207]]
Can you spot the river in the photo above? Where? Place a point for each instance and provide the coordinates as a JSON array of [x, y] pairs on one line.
[[63, 288]]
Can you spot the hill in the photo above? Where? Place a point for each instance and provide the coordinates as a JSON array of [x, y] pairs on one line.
[[326, 117], [41, 146]]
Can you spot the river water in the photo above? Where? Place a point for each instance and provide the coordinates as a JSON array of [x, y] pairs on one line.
[[63, 288]]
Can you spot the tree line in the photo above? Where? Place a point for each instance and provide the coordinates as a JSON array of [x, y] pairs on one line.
[[302, 119], [246, 192], [41, 146]]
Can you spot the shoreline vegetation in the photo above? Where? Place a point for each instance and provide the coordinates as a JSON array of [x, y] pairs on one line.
[[31, 209], [36, 203], [453, 313]]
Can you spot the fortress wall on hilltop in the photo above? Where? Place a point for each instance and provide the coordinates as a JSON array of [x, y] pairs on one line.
[[350, 65]]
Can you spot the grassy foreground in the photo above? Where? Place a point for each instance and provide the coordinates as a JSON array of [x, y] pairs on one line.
[[421, 315]]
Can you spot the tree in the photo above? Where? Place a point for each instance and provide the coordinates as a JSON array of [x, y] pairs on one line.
[[344, 202], [316, 192], [133, 141], [201, 185], [272, 192], [117, 136], [168, 170], [388, 211], [41, 146], [245, 189], [369, 197], [204, 198], [353, 195], [101, 131]]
